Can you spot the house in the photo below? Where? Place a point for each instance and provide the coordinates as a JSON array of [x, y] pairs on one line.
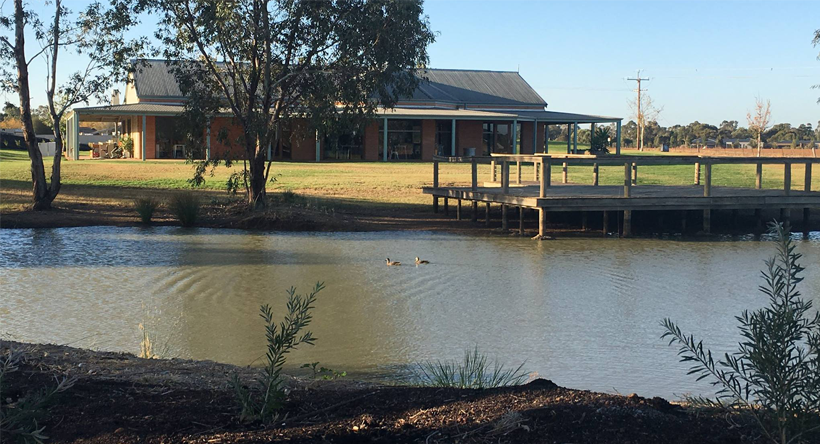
[[710, 143], [452, 113], [737, 143]]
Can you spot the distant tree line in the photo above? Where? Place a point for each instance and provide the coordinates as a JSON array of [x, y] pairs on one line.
[[694, 134]]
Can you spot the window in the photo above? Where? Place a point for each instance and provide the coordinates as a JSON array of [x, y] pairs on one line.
[[497, 138], [444, 137], [403, 139], [170, 140], [346, 146]]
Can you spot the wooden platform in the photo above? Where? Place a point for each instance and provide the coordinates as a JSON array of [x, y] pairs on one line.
[[545, 197], [644, 197]]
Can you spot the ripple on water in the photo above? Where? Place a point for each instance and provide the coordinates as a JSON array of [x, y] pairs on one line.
[[583, 312]]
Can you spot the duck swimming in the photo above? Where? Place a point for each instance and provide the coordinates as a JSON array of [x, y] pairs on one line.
[[421, 262], [392, 263]]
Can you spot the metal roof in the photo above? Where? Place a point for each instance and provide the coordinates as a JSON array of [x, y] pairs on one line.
[[155, 79], [474, 87], [559, 117], [437, 113]]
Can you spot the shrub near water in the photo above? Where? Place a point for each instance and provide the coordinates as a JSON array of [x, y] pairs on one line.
[[474, 372], [263, 402], [774, 376], [185, 207], [145, 207]]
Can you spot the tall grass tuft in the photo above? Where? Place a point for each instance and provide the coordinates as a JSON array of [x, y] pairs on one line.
[[263, 402], [185, 207], [774, 376], [145, 207], [475, 371]]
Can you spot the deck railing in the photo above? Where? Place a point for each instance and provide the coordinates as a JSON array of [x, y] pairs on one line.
[[542, 171]]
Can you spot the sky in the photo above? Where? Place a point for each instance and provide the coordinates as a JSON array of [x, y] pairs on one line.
[[706, 60]]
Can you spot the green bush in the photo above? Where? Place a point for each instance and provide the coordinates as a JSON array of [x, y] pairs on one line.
[[474, 372], [774, 376], [263, 402], [185, 207], [145, 207], [19, 416]]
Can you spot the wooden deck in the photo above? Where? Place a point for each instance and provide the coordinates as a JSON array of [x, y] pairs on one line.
[[546, 197], [574, 197]]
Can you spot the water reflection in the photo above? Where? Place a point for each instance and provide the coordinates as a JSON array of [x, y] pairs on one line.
[[583, 312]]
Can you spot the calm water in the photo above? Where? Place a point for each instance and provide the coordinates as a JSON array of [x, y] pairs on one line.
[[582, 312]]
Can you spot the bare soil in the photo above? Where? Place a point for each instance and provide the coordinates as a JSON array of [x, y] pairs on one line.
[[119, 398]]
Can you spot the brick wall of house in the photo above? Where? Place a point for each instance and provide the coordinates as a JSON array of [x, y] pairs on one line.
[[468, 135], [372, 144], [428, 139], [150, 137], [232, 147]]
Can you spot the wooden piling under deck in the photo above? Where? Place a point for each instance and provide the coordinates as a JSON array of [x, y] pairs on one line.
[[544, 196]]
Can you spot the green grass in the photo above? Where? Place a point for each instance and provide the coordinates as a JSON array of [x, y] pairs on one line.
[[358, 185]]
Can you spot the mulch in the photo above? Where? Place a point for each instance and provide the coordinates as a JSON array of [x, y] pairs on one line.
[[118, 398]]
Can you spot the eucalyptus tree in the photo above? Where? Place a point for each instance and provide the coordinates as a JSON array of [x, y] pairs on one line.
[[95, 36], [267, 62]]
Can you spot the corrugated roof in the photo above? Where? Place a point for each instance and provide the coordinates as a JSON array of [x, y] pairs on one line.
[[474, 87], [132, 108], [154, 79], [559, 117]]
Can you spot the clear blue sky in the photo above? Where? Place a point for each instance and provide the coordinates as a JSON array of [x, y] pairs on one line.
[[707, 60]]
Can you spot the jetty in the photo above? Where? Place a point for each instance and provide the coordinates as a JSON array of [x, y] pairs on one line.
[[498, 180]]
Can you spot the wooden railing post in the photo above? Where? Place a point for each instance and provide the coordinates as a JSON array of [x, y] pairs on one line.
[[565, 174], [474, 174], [535, 171], [505, 176], [707, 179], [634, 173], [595, 174], [807, 178], [697, 173], [435, 185], [544, 179], [518, 172], [493, 174], [787, 178], [759, 176], [627, 179]]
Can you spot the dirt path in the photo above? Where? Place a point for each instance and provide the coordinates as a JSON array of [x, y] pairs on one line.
[[122, 399]]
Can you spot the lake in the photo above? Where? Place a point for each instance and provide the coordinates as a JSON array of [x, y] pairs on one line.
[[585, 313]]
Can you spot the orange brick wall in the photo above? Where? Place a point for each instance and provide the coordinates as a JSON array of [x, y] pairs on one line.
[[468, 135], [428, 139], [303, 142], [540, 141], [372, 144], [150, 137], [234, 148]]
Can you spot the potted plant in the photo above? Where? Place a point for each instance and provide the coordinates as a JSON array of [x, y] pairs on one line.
[[127, 145]]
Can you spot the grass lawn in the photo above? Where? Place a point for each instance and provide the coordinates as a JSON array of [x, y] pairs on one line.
[[337, 185]]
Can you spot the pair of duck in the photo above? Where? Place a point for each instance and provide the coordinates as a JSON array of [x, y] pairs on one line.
[[395, 263]]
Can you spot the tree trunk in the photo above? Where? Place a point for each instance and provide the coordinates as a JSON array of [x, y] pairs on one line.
[[40, 189], [257, 196]]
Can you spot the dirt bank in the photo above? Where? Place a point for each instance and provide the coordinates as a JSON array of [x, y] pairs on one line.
[[122, 399]]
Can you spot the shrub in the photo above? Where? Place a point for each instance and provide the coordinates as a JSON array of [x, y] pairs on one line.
[[474, 372], [264, 402], [145, 207], [19, 417], [775, 373], [599, 141], [185, 207]]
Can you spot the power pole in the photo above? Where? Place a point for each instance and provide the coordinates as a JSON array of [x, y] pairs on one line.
[[640, 113]]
